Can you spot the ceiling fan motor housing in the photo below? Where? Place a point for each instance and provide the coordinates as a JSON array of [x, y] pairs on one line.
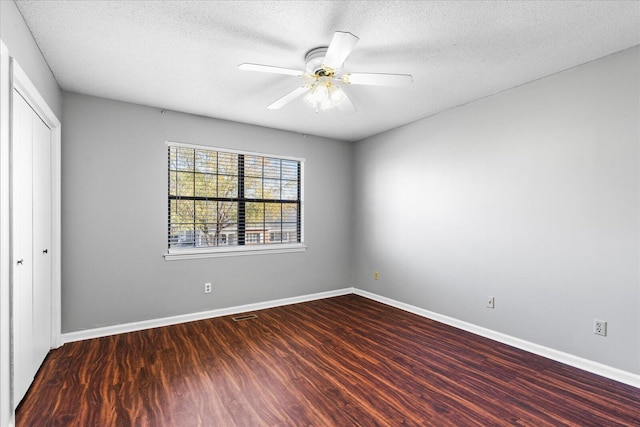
[[314, 59]]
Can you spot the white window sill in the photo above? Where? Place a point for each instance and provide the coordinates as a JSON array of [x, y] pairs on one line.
[[177, 254]]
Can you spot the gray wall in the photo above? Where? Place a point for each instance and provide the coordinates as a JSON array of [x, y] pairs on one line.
[[114, 217], [531, 196], [23, 48]]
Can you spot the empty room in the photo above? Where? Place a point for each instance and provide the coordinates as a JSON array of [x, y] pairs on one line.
[[319, 213]]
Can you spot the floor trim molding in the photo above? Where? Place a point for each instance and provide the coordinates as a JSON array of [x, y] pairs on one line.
[[550, 353], [183, 318]]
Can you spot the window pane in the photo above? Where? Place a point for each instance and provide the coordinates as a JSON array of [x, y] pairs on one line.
[[205, 185], [181, 158], [227, 215], [182, 211], [290, 170], [289, 190], [272, 212], [181, 231], [206, 211], [253, 238], [228, 164], [253, 188], [205, 235], [281, 237], [254, 213], [253, 166], [173, 183], [272, 189], [227, 186], [273, 222], [206, 161], [290, 221], [184, 184], [254, 228], [271, 168], [290, 213], [181, 235], [226, 228]]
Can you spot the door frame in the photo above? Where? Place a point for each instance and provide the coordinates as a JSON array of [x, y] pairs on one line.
[[6, 382]]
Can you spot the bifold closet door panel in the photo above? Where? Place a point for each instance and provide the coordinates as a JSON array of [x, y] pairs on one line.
[[41, 240], [22, 246]]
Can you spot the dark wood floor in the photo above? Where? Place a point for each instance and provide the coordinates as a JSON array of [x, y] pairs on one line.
[[336, 362]]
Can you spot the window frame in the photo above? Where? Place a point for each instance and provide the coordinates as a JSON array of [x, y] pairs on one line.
[[237, 250]]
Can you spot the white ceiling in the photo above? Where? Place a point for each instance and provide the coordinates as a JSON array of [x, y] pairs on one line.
[[184, 55]]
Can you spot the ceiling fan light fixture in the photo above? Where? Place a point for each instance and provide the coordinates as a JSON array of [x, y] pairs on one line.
[[324, 95], [323, 68], [337, 95]]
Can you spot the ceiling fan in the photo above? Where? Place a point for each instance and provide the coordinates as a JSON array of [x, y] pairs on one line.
[[323, 71]]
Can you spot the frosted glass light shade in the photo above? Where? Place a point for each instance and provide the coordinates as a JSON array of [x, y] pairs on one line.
[[324, 95]]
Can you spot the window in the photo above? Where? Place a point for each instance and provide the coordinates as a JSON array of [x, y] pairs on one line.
[[226, 200], [277, 236]]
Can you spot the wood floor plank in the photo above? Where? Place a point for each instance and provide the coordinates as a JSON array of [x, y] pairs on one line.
[[340, 361]]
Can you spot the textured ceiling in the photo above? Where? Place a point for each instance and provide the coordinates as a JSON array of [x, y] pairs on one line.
[[184, 55]]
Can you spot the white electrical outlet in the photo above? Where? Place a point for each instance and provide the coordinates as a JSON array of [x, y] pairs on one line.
[[490, 302], [600, 327], [207, 288]]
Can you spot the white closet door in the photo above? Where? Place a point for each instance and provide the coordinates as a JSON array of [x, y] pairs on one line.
[[41, 240], [22, 236], [31, 237]]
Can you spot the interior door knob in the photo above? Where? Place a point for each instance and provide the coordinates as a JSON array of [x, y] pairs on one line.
[[44, 251], [20, 261]]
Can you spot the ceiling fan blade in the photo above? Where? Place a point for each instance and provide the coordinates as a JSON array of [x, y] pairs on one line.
[[270, 69], [346, 106], [339, 49], [373, 79], [289, 97]]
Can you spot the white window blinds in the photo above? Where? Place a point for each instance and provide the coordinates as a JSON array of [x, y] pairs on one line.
[[219, 198]]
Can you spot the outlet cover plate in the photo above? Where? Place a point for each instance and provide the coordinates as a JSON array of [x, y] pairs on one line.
[[490, 302], [600, 327]]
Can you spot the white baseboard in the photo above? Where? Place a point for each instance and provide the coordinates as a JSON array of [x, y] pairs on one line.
[[174, 320], [559, 356]]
